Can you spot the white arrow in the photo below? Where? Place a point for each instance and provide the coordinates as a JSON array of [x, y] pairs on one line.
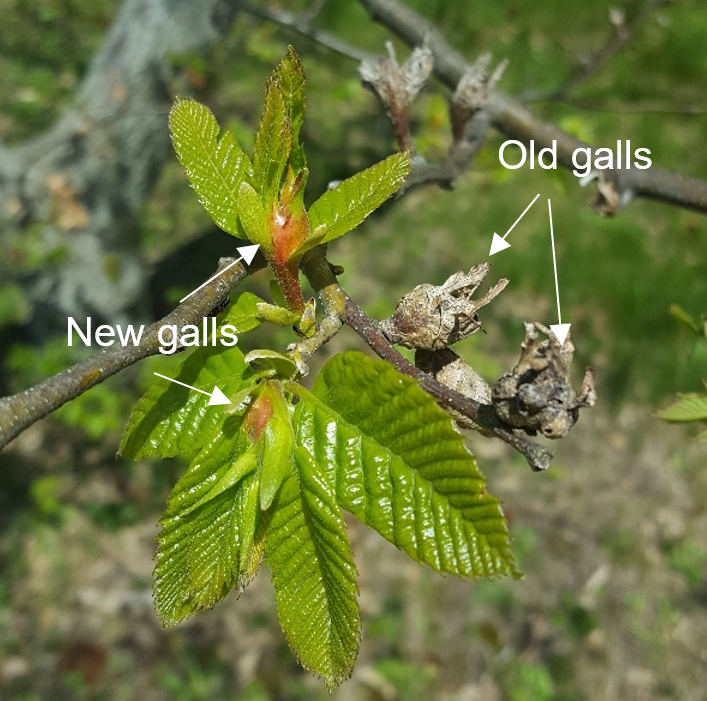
[[247, 255], [217, 396], [500, 244], [560, 330]]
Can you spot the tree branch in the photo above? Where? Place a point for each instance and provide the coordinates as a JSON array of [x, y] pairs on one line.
[[321, 277], [511, 118], [20, 411], [537, 457], [340, 308]]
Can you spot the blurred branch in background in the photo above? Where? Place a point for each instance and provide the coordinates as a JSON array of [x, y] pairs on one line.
[[302, 25], [616, 189], [622, 31]]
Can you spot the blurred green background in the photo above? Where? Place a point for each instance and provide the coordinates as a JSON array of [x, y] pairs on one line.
[[612, 539]]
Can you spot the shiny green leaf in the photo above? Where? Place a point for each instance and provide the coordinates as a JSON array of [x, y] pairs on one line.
[[313, 573], [278, 447], [170, 419], [206, 540], [212, 159], [241, 465], [349, 203], [399, 466]]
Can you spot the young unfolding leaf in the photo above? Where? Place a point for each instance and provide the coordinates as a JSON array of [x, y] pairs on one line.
[[242, 461], [273, 142], [207, 534], [276, 444], [315, 238], [212, 159], [243, 314], [254, 218], [399, 466], [291, 79], [274, 363], [313, 573], [277, 315], [171, 419], [349, 203]]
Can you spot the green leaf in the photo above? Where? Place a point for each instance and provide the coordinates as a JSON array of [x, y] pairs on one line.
[[277, 442], [213, 161], [243, 465], [400, 467], [206, 539], [243, 312], [170, 419], [291, 78], [218, 554], [254, 530], [687, 407], [313, 573], [273, 142], [348, 204], [282, 365], [254, 218], [315, 238], [278, 446], [277, 315]]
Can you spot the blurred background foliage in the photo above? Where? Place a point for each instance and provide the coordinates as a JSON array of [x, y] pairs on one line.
[[612, 539]]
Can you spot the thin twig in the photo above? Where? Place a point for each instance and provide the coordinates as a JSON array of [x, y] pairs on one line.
[[301, 26], [458, 160], [623, 31], [320, 275]]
